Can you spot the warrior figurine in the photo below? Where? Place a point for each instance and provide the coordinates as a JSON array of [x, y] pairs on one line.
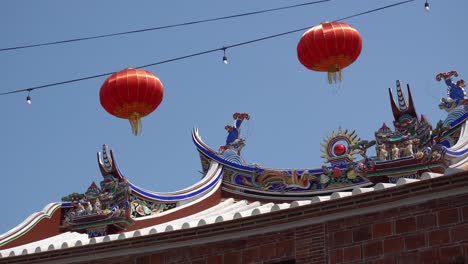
[[395, 152], [456, 94], [409, 148], [383, 153], [233, 140]]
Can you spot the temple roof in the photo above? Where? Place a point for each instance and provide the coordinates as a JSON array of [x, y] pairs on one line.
[[226, 210], [232, 189]]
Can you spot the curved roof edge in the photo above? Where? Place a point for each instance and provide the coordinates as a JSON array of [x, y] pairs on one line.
[[207, 151], [49, 221], [460, 149], [250, 181], [190, 193], [27, 231]]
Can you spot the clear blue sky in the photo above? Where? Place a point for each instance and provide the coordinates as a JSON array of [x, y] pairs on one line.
[[48, 149]]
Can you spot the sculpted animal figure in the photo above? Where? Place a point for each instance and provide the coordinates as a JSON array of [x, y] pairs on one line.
[[270, 177]]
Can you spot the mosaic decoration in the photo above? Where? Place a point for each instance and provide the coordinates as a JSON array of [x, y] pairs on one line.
[[339, 150], [205, 164], [447, 132], [101, 210], [111, 207], [248, 178], [305, 180], [411, 133], [408, 150], [142, 207]]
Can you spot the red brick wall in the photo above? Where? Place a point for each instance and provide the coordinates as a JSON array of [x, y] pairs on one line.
[[423, 222], [269, 248], [430, 232]]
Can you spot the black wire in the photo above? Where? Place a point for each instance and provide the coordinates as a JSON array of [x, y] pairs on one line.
[[203, 52], [162, 27], [57, 83], [375, 10]]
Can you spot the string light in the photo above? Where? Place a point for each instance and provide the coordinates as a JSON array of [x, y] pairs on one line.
[[426, 6], [198, 53], [28, 98], [225, 60], [164, 27]]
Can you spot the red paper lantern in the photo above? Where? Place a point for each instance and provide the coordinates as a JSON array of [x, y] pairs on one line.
[[131, 94], [329, 47]]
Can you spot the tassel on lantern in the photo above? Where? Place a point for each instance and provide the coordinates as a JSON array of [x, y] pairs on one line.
[[334, 74], [135, 123]]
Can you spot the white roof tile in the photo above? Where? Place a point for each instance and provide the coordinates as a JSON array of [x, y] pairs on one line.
[[362, 190], [38, 250], [300, 203], [318, 199], [337, 195], [403, 181], [381, 186], [451, 171], [278, 207], [262, 209], [430, 175]]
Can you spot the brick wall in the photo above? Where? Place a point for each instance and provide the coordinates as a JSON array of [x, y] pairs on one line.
[[267, 248], [430, 232], [423, 222]]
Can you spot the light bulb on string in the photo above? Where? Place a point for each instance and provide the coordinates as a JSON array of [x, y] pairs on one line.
[[225, 60], [28, 98], [426, 6]]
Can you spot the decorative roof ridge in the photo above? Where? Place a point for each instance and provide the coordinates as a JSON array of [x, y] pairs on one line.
[[405, 106], [408, 152], [96, 206], [458, 153], [198, 199], [190, 192], [184, 210]]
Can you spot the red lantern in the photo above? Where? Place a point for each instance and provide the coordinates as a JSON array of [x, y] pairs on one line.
[[329, 47], [131, 94]]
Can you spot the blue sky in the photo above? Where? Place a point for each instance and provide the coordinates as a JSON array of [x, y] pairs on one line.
[[48, 149]]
